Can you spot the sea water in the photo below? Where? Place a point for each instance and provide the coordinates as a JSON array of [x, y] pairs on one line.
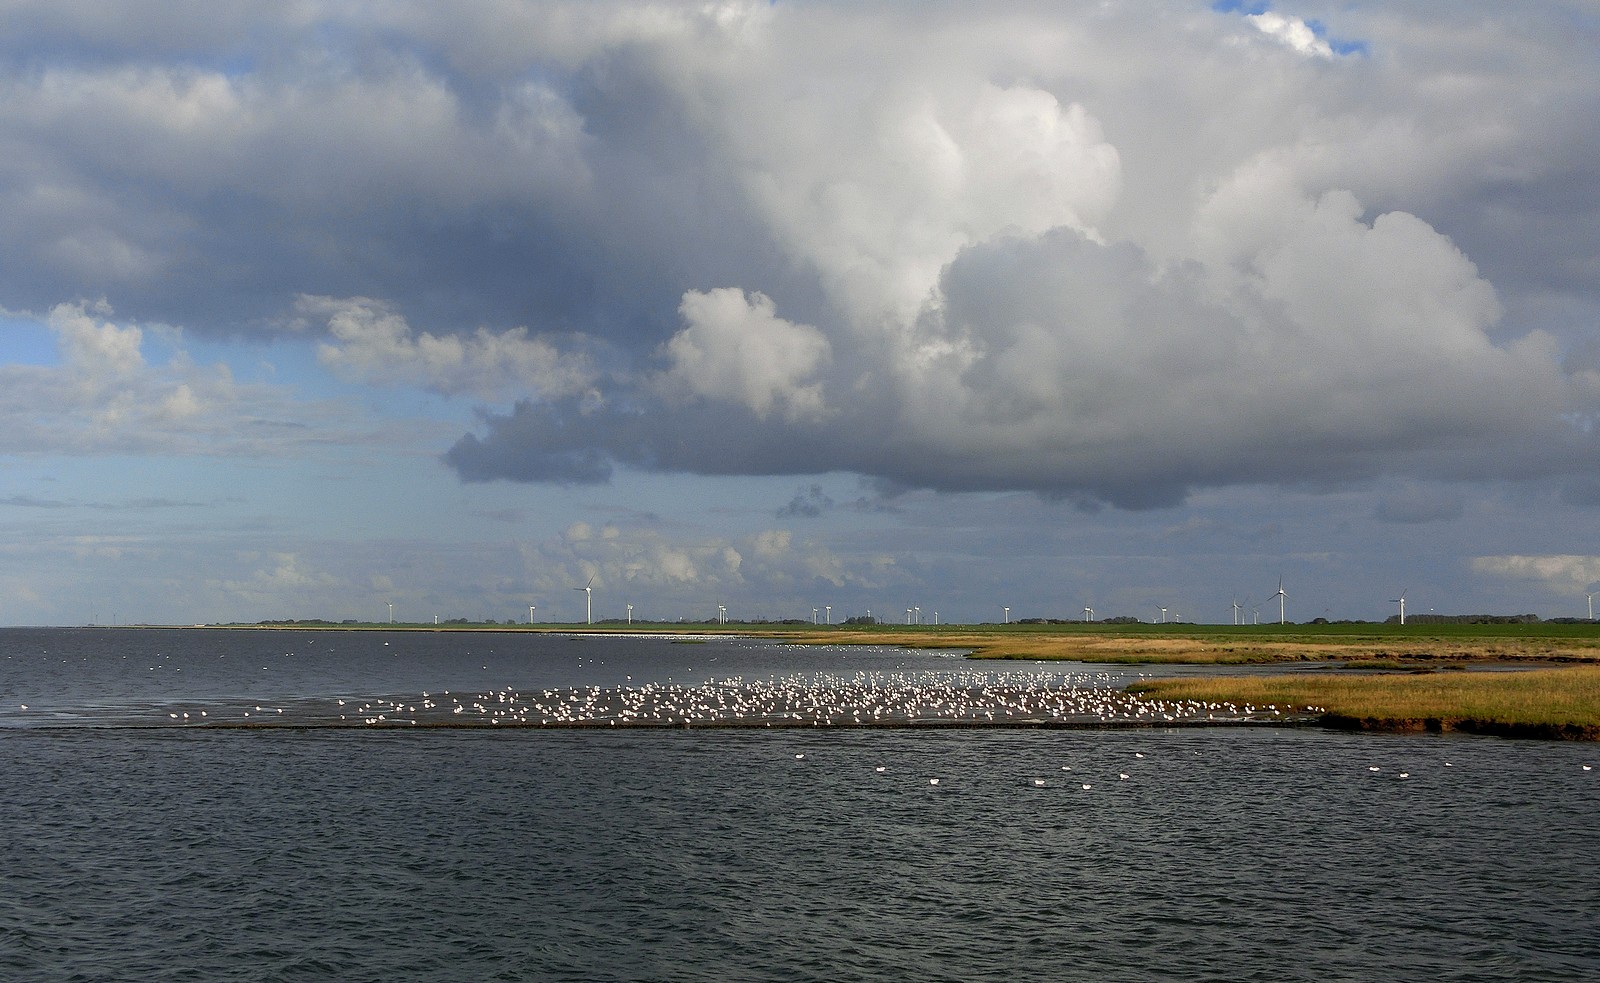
[[179, 852]]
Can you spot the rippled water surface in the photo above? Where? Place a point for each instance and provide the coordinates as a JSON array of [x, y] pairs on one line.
[[173, 853]]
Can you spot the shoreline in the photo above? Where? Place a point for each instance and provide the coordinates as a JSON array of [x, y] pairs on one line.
[[1435, 726], [1538, 681]]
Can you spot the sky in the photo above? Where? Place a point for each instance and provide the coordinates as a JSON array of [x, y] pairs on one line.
[[308, 309]]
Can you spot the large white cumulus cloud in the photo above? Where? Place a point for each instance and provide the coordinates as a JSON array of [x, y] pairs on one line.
[[1078, 249], [736, 348]]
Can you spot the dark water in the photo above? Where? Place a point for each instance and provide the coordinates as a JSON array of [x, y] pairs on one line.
[[179, 853]]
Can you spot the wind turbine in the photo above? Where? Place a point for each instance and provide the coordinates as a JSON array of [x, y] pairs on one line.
[[1236, 611], [630, 614], [530, 613], [722, 614], [827, 614], [1163, 615], [588, 600], [1281, 596], [1088, 613], [391, 611], [1591, 606], [1008, 615], [813, 615], [1401, 600]]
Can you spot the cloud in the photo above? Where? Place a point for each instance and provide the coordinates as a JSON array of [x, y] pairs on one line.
[[807, 503], [1081, 251], [1560, 573], [913, 175], [1291, 31], [374, 344], [106, 397], [138, 504], [1418, 504], [687, 570], [735, 348], [286, 583], [1320, 347]]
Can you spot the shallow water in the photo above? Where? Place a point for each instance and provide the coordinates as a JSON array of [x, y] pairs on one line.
[[257, 678], [175, 853]]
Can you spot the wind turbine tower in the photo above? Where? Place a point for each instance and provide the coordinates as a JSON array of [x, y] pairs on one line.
[[1401, 600], [1236, 611], [1008, 615], [630, 614], [588, 601], [1281, 596], [1088, 613], [1591, 606], [530, 613]]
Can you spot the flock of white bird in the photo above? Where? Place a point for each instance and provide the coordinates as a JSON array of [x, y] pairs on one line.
[[815, 700]]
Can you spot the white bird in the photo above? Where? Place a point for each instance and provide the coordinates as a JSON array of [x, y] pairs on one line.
[[933, 781]]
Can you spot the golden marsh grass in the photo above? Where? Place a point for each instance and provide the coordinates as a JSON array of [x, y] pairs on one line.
[[1567, 696]]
